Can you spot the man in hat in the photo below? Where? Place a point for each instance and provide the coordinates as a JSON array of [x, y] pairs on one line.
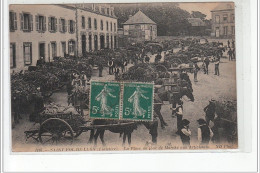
[[178, 111], [196, 70], [38, 105], [83, 78], [217, 66], [110, 66], [204, 132], [210, 110], [230, 55], [40, 62], [206, 61], [185, 132], [100, 69]]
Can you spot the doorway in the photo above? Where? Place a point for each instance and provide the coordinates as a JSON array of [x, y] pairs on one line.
[[90, 42], [63, 49], [83, 44], [217, 32], [42, 50], [102, 42], [95, 43]]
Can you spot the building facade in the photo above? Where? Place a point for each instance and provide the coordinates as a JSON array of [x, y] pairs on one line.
[[197, 27], [223, 21], [97, 27], [50, 31], [140, 28]]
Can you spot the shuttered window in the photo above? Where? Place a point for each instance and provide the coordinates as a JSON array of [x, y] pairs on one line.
[[52, 24], [12, 55], [62, 25], [71, 47], [83, 22], [101, 25], [89, 23], [71, 26], [26, 22], [27, 53], [95, 24], [40, 22], [107, 25], [12, 21]]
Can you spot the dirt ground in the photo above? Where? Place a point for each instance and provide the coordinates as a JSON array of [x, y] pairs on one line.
[[209, 86]]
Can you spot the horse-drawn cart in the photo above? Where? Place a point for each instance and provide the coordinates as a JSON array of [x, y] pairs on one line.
[[63, 128]]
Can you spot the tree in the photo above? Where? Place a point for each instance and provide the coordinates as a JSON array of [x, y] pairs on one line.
[[170, 19], [198, 14]]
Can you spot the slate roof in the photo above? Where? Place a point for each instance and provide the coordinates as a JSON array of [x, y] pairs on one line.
[[224, 6], [196, 22], [139, 18]]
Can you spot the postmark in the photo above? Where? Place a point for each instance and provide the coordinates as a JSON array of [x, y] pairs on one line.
[[137, 101], [104, 100]]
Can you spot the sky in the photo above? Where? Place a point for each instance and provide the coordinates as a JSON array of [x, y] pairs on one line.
[[203, 7]]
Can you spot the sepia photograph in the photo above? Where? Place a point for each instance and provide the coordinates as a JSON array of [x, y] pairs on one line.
[[157, 76]]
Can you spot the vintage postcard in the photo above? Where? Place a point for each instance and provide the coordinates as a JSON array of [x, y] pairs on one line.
[[123, 77]]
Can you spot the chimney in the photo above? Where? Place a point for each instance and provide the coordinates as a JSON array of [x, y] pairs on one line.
[[130, 16]]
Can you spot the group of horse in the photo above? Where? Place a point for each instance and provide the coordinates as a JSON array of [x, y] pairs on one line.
[[161, 96]]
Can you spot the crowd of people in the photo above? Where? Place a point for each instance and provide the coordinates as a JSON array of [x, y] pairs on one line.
[[204, 133]]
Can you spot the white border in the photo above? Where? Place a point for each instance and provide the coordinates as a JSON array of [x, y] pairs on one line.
[[246, 82]]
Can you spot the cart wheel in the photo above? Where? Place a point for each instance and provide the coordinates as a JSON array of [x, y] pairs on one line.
[[161, 68], [55, 131], [177, 60]]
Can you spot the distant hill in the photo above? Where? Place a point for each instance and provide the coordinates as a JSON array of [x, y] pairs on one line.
[[170, 19]]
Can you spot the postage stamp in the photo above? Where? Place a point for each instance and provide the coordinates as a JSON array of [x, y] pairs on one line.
[[137, 101], [104, 100]]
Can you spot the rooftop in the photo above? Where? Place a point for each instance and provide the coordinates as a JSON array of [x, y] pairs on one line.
[[224, 6], [139, 18], [196, 22]]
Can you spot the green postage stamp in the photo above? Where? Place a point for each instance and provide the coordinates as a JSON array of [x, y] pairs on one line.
[[133, 102], [137, 101], [104, 100]]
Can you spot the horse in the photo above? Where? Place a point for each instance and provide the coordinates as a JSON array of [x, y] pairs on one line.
[[152, 126], [126, 130]]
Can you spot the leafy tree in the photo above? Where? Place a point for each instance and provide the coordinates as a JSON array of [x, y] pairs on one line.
[[198, 14], [170, 19]]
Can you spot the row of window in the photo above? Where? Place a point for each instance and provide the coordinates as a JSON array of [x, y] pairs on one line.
[[104, 10], [225, 30], [26, 23], [224, 18], [27, 51], [54, 24], [83, 24]]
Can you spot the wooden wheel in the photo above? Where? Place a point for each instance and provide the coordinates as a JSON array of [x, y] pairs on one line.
[[177, 60], [55, 131], [161, 68]]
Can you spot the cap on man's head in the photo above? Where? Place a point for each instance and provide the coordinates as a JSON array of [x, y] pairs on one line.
[[185, 122], [201, 121], [212, 100]]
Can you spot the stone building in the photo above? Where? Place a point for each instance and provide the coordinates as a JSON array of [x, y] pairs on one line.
[[50, 31], [197, 27], [140, 28], [97, 27], [223, 21]]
